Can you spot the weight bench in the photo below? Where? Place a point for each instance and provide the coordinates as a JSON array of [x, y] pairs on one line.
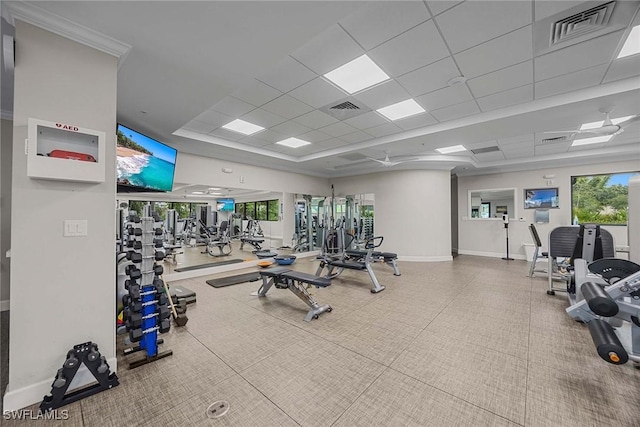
[[388, 258], [295, 281], [171, 251], [255, 242]]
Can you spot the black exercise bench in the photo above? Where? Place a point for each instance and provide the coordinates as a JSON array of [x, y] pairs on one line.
[[253, 241], [388, 258], [296, 282]]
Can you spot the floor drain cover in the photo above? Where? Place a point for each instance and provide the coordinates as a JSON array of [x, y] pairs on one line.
[[217, 409]]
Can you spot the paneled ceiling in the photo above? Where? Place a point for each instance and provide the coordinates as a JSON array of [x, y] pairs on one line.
[[484, 72]]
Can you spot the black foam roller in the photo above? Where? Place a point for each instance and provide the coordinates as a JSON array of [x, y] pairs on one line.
[[607, 343], [599, 300]]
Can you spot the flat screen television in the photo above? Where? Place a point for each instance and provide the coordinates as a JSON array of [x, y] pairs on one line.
[[225, 205], [143, 164], [540, 198]]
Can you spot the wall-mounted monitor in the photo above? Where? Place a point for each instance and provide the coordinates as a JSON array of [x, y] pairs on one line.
[[143, 163], [225, 205], [541, 198]]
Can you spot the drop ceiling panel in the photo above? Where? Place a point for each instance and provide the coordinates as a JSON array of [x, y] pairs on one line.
[[383, 95], [473, 23], [569, 82], [332, 143], [199, 127], [287, 106], [444, 97], [526, 150], [520, 139], [507, 78], [232, 107], [378, 22], [287, 75], [505, 98], [290, 128], [429, 78], [420, 46], [577, 57], [257, 93], [438, 7], [263, 118], [547, 8], [317, 93], [255, 141], [366, 120], [490, 157], [383, 130], [556, 148], [315, 136], [338, 129], [315, 119], [417, 121], [354, 137], [496, 54], [329, 50], [214, 118], [227, 134], [269, 135], [623, 68], [455, 111]]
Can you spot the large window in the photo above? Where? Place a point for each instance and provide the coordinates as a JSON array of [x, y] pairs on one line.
[[263, 210], [273, 213], [600, 199]]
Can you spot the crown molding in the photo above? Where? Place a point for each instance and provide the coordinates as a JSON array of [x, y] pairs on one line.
[[64, 27]]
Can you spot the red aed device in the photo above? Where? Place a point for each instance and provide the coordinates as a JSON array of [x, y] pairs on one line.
[[72, 155]]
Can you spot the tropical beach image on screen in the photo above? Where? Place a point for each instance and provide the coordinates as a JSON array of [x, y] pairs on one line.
[[144, 162]]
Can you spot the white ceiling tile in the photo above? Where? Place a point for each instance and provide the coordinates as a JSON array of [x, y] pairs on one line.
[[505, 98], [573, 81], [200, 127], [577, 57], [416, 48], [287, 75], [290, 128], [623, 68], [255, 141], [429, 78], [214, 118], [445, 97], [263, 118], [227, 134], [507, 78], [520, 139], [527, 151], [546, 8], [417, 121], [366, 120], [338, 129], [383, 95], [475, 22], [257, 93], [232, 107], [455, 111], [315, 136], [332, 143], [440, 6], [315, 119], [287, 106], [269, 135], [329, 50], [377, 22], [495, 54], [559, 147], [318, 93], [490, 157], [383, 130], [354, 137]]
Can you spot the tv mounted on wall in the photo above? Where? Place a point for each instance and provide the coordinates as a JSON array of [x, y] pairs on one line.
[[225, 205], [143, 164], [537, 198]]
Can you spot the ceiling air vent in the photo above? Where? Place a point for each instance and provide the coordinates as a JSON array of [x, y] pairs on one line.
[[345, 108], [485, 150], [591, 20], [552, 140]]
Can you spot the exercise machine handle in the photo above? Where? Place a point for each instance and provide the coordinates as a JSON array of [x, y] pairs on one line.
[[371, 242], [607, 343], [600, 302]]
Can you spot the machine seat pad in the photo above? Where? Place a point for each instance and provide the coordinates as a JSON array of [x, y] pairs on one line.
[[274, 272], [251, 239], [385, 255], [311, 279], [350, 265]]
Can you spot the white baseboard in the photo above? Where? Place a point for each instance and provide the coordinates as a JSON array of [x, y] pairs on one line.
[[26, 396], [425, 258], [490, 254], [4, 305]]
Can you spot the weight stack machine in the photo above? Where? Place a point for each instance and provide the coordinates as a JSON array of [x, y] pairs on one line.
[[146, 311]]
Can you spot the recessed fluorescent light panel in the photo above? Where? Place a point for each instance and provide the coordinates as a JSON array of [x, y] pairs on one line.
[[401, 110], [452, 149], [595, 125], [595, 140], [293, 142], [358, 74], [243, 127], [632, 45]]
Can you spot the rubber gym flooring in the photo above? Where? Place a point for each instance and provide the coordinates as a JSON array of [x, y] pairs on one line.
[[473, 342]]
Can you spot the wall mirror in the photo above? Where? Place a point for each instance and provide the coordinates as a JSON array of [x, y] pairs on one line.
[[492, 203]]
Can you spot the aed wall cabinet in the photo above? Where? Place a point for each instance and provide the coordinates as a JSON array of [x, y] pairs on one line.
[[65, 152]]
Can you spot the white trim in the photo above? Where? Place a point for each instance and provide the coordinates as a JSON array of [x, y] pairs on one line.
[[64, 27], [491, 254], [4, 305], [425, 258], [28, 395]]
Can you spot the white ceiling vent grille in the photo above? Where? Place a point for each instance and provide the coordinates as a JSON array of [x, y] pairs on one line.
[[591, 20], [553, 140], [485, 150], [345, 108]]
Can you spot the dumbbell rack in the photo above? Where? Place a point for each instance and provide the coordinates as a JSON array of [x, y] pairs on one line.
[[146, 312], [88, 354]]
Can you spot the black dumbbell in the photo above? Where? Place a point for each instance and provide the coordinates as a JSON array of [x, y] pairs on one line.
[[103, 367], [165, 325], [159, 255], [164, 312], [157, 283], [158, 231], [60, 380], [134, 231], [71, 362], [135, 335], [158, 270], [162, 299], [133, 218], [134, 292], [93, 355], [158, 243], [135, 273], [135, 244], [134, 321], [130, 282]]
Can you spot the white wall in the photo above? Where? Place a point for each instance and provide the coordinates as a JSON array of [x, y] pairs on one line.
[[487, 237], [62, 289], [6, 150], [412, 210]]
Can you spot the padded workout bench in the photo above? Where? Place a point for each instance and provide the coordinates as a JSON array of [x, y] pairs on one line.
[[255, 242], [388, 258], [295, 281]]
